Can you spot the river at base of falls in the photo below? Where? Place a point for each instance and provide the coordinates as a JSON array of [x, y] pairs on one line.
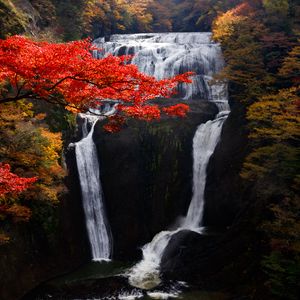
[[104, 281]]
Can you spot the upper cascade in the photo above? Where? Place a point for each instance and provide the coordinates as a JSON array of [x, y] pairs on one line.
[[164, 55]]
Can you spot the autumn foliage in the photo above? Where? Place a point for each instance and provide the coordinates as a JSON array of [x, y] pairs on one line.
[[115, 16], [10, 186], [31, 178], [11, 183], [179, 110], [260, 43], [68, 74]]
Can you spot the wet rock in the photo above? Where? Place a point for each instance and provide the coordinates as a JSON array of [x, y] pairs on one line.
[[186, 254]]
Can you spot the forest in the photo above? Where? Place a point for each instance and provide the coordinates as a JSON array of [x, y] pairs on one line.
[[48, 75]]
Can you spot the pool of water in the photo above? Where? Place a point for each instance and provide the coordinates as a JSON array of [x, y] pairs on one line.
[[108, 281]]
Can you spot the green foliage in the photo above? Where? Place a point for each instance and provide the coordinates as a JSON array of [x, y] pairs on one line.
[[277, 13], [12, 21], [57, 118], [31, 17], [94, 18], [282, 265], [291, 66], [186, 15], [47, 12], [69, 19], [276, 7], [283, 275], [278, 163]]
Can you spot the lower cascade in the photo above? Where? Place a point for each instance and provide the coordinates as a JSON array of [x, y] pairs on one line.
[[146, 274], [92, 194]]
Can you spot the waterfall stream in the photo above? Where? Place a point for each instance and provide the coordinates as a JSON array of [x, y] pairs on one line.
[[91, 190], [146, 274], [165, 55], [205, 140]]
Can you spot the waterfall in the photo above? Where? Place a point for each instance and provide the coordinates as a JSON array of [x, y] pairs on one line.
[[165, 55], [205, 140], [146, 274], [91, 190]]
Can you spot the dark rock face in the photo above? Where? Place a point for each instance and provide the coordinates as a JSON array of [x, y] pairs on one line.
[[32, 257], [207, 261], [18, 271], [225, 192], [146, 174], [72, 216], [183, 246]]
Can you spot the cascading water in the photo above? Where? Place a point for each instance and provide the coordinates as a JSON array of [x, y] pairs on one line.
[[146, 274], [91, 190], [166, 55], [204, 143]]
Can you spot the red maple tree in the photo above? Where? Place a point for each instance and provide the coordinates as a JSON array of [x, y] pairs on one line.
[[69, 75], [11, 183], [178, 110]]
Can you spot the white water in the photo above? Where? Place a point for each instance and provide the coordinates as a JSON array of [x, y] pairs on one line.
[[166, 55], [205, 140], [146, 273], [92, 194]]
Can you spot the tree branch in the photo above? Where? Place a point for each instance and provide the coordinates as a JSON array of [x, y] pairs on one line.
[[16, 98]]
